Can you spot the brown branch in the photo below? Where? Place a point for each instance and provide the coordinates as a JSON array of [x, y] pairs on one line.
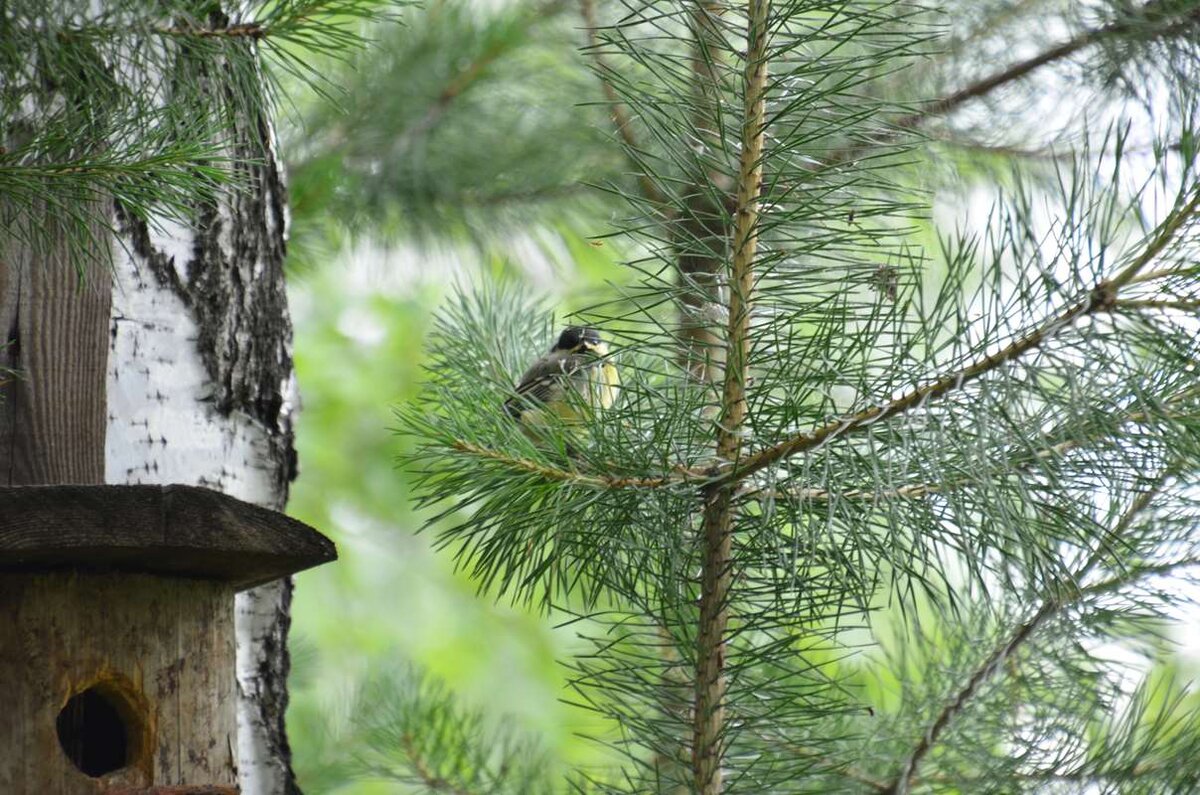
[[716, 575], [1053, 604], [1101, 299], [617, 111], [1023, 68], [469, 75], [918, 490], [1010, 74], [984, 673]]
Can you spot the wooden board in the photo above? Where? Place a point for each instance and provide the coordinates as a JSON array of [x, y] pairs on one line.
[[54, 330], [166, 645], [183, 531]]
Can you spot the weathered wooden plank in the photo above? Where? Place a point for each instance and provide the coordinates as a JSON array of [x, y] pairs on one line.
[[177, 530], [54, 331], [160, 649]]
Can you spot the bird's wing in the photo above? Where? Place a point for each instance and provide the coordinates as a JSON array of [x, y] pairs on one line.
[[545, 377]]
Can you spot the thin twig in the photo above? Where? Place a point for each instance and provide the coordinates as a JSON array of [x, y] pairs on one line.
[[681, 475], [1023, 68], [1161, 273], [993, 664], [244, 30], [981, 88], [1156, 304], [836, 768], [620, 116]]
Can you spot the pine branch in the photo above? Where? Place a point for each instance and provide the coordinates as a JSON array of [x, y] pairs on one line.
[[427, 776], [1174, 25], [984, 86], [914, 491], [681, 475], [1101, 299], [1053, 604], [1047, 381], [411, 731], [620, 116], [320, 25], [716, 574]]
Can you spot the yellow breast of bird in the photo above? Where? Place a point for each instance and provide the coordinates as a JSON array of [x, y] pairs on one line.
[[608, 384], [596, 387]]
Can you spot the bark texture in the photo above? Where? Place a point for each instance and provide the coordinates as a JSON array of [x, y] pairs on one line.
[[201, 391], [716, 577]]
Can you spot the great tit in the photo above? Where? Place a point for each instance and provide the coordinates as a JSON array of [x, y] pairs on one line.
[[577, 361]]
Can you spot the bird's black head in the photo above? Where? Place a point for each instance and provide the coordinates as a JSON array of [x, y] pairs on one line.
[[576, 338]]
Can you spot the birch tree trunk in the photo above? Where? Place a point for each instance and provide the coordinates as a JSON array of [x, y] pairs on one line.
[[201, 391]]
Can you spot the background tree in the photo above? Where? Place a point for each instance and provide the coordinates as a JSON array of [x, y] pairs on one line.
[[980, 421], [141, 265]]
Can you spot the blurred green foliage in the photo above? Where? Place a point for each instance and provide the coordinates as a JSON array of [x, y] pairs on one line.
[[464, 144], [390, 598]]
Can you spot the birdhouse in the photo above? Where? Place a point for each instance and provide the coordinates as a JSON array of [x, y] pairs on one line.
[[117, 666]]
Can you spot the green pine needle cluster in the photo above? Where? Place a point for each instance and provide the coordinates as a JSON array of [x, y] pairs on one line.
[[141, 103], [960, 510]]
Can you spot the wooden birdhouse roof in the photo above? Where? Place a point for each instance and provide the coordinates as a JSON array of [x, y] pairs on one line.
[[182, 531]]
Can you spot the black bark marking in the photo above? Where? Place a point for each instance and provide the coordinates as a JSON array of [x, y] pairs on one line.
[[244, 334]]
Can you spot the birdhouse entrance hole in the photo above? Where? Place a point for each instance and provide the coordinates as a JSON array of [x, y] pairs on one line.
[[100, 730]]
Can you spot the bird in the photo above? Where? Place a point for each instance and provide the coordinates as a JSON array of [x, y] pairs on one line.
[[579, 361]]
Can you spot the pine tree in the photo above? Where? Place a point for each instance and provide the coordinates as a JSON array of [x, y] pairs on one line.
[[897, 496]]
